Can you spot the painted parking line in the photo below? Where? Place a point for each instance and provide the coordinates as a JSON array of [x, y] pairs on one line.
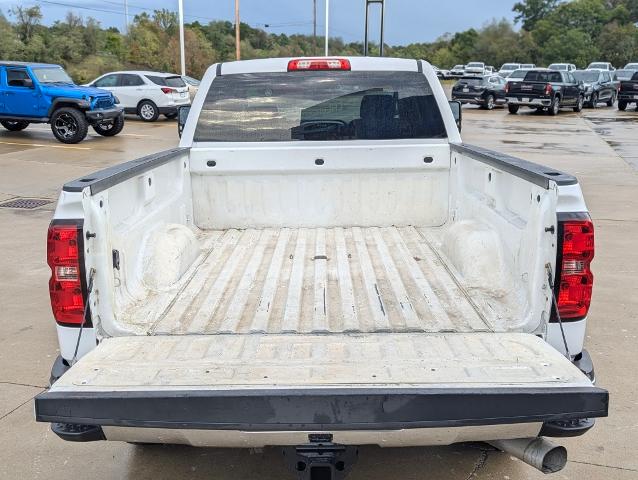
[[69, 147], [96, 135]]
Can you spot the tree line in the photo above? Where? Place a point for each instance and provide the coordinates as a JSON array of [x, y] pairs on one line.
[[577, 31]]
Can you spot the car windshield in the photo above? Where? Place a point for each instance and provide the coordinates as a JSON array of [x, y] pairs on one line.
[[518, 74], [325, 105], [51, 75], [558, 66], [527, 65], [587, 77], [602, 66], [458, 67], [175, 82], [631, 66], [510, 66], [475, 65], [635, 76], [543, 76]]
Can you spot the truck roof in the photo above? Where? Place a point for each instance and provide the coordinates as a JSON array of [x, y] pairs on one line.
[[356, 63], [11, 63]]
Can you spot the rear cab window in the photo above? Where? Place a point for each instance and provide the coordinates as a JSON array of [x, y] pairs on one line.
[[543, 76], [319, 106]]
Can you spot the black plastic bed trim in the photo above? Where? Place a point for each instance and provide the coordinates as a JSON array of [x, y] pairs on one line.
[[103, 179], [322, 409], [533, 172]]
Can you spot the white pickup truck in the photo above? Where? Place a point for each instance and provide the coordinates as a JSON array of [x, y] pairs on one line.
[[323, 264]]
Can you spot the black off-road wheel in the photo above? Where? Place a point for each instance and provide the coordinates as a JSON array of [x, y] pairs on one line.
[[69, 125], [579, 104], [110, 129], [14, 126], [622, 105], [554, 108], [593, 103], [612, 100], [148, 111], [513, 109]]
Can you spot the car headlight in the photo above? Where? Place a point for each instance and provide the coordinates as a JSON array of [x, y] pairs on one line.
[[116, 100]]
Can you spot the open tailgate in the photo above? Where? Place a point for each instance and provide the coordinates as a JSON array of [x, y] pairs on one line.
[[321, 382]]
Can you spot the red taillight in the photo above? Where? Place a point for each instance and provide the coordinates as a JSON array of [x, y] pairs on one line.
[[303, 64], [64, 244], [574, 287], [167, 90], [548, 89]]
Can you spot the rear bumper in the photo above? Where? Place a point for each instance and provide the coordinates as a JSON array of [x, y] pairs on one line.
[[169, 110], [273, 410], [469, 99], [106, 114], [532, 102], [628, 97]]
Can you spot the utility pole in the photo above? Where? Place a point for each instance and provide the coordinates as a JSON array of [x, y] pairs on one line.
[[327, 20], [237, 39], [314, 27], [126, 16], [182, 57]]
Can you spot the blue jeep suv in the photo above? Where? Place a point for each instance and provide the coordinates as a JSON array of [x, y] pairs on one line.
[[43, 93]]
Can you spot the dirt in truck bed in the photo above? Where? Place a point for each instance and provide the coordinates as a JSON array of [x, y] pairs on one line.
[[312, 281]]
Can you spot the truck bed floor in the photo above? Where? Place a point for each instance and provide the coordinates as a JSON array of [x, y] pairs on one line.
[[312, 281]]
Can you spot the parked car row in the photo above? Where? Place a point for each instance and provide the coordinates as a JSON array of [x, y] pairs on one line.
[[101, 104], [547, 89], [480, 68]]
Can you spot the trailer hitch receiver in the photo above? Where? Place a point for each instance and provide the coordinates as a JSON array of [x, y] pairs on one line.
[[320, 459]]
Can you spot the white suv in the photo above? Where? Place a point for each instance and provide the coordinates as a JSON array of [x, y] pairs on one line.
[[147, 94]]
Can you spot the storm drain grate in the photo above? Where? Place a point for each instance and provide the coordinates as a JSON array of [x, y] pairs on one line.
[[25, 203]]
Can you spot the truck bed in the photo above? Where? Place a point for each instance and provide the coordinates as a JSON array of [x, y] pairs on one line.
[[312, 281]]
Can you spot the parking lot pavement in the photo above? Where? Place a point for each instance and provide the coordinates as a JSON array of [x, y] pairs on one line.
[[597, 146]]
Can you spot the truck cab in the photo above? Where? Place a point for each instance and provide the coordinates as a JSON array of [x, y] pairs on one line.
[[44, 93]]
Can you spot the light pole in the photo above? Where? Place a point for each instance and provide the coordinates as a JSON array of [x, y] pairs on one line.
[[126, 16], [327, 20], [182, 58], [237, 37]]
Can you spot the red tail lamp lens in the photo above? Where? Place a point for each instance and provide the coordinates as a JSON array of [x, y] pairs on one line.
[[576, 278], [65, 284]]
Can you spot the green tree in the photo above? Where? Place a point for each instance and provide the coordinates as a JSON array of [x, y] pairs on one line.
[[27, 19], [619, 43], [529, 12]]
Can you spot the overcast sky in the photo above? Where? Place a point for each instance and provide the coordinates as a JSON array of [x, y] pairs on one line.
[[406, 20]]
